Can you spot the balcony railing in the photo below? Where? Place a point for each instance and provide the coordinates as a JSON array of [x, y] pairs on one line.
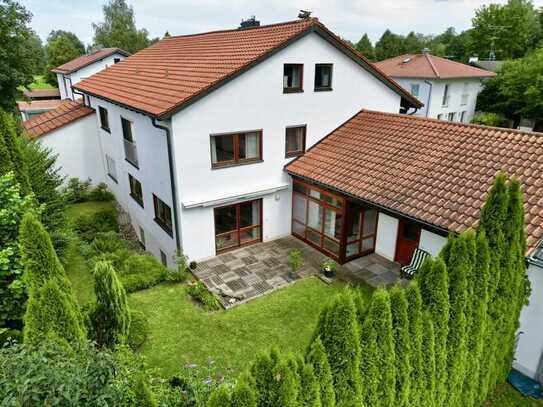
[[464, 100], [131, 153]]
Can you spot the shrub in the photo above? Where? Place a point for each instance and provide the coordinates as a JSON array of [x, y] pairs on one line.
[[402, 344], [139, 329], [90, 226], [220, 397], [295, 258], [143, 394], [318, 359], [100, 193], [490, 119], [243, 394], [106, 242], [200, 293], [77, 190], [141, 271]]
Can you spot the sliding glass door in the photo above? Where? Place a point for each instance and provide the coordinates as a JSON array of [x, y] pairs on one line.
[[238, 225], [361, 230]]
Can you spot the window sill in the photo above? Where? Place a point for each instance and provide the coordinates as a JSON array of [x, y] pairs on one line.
[[294, 154], [140, 203], [235, 164], [293, 90], [132, 164], [165, 228], [113, 178], [323, 89], [105, 129]]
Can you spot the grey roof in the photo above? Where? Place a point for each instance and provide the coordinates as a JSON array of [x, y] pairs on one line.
[[493, 66]]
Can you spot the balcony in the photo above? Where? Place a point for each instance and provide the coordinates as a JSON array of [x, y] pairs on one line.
[[131, 153]]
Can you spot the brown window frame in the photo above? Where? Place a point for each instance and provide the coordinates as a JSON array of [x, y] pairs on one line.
[[236, 161], [134, 182], [296, 153], [239, 230], [104, 119], [324, 88], [163, 223], [293, 89]]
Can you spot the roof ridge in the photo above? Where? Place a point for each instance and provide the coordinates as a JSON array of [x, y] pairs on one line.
[[427, 56], [312, 19], [459, 124], [458, 63]]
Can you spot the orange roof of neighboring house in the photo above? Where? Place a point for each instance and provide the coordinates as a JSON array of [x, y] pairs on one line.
[[168, 75], [88, 59], [42, 93], [68, 112], [433, 171], [47, 104], [429, 66]]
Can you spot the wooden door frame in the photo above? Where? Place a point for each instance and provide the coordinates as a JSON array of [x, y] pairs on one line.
[[400, 221]]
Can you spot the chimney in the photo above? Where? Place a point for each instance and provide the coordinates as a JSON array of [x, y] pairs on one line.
[[251, 22]]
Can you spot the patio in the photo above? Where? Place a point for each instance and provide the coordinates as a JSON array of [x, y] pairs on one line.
[[252, 271]]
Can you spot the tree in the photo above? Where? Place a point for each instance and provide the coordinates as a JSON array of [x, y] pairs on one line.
[[119, 28], [61, 47], [365, 47], [317, 358], [110, 317], [429, 361], [18, 52], [243, 394], [53, 35], [388, 46], [414, 302], [413, 43], [144, 395], [402, 344], [13, 159], [220, 397], [309, 394], [262, 374], [38, 51]]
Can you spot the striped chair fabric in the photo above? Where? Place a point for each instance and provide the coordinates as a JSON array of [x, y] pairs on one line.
[[418, 257]]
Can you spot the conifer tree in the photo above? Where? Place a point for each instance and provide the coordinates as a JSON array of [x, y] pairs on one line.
[[262, 371], [402, 345], [144, 395], [220, 397], [309, 393], [434, 286], [429, 361], [414, 302], [317, 358], [286, 383], [14, 159], [243, 394], [110, 316]]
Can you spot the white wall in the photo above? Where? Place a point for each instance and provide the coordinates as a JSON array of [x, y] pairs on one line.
[[77, 147], [153, 172], [530, 344], [255, 100], [387, 233], [431, 242]]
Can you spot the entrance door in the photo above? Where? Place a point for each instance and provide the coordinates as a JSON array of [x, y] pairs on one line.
[[407, 242], [238, 225]]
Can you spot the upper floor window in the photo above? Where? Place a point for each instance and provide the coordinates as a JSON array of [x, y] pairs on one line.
[[163, 214], [111, 168], [293, 77], [116, 60], [463, 116], [104, 121], [236, 148], [415, 88], [135, 190], [445, 101], [130, 151], [295, 141], [323, 77], [451, 117]]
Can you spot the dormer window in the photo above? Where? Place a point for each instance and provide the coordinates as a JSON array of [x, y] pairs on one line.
[[323, 77], [293, 75]]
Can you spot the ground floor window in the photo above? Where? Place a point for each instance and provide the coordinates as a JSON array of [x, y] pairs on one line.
[[238, 225]]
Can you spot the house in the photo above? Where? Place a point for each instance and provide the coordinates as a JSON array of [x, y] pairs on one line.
[[448, 89], [486, 64], [195, 130], [77, 69], [42, 94], [34, 108]]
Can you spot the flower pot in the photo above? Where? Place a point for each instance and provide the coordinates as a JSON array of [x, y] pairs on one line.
[[328, 272]]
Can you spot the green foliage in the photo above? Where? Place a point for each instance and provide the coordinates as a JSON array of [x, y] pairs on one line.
[[309, 394], [200, 293], [388, 46], [365, 47], [402, 344], [340, 336], [81, 191], [428, 362], [139, 329], [143, 394], [88, 227], [220, 397], [317, 358], [119, 28], [414, 302], [295, 259], [243, 395], [262, 371], [12, 158], [378, 367], [489, 119], [141, 271], [110, 317], [61, 47]]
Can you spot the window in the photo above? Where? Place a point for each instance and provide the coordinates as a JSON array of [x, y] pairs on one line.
[[142, 238], [236, 148], [116, 60], [163, 215], [323, 77], [135, 190], [295, 141], [415, 88], [111, 168], [440, 116], [451, 116], [104, 121], [163, 259], [130, 151], [293, 76], [445, 101], [463, 116], [238, 225]]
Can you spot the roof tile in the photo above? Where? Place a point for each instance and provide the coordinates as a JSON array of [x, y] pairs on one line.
[[88, 59]]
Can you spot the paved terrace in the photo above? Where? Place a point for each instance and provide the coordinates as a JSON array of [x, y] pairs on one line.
[[252, 271]]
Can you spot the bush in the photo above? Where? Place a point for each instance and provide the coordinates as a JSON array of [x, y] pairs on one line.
[[100, 193], [139, 329], [90, 226], [141, 271], [489, 119], [200, 293], [81, 191]]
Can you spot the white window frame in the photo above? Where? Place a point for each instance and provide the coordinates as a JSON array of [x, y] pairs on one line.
[[417, 87], [111, 168]]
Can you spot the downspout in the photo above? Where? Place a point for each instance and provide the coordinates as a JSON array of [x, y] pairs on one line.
[[172, 180], [429, 96]]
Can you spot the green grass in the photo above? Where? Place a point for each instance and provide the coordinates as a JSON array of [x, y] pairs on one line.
[[87, 208], [39, 83], [506, 396], [181, 332]]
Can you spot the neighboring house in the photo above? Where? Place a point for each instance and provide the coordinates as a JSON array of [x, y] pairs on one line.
[[77, 69], [36, 107], [42, 94], [448, 89], [389, 183], [70, 132], [487, 65], [195, 130]]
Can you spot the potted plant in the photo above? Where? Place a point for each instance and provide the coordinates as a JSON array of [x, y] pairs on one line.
[[295, 258], [328, 267]]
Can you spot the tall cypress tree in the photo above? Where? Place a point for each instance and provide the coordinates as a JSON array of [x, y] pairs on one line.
[[243, 394], [220, 397], [262, 371], [434, 286], [309, 394], [429, 361], [402, 345], [14, 158], [414, 301], [110, 316], [286, 383], [317, 358]]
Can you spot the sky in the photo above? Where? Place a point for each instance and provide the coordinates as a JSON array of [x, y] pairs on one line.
[[347, 18]]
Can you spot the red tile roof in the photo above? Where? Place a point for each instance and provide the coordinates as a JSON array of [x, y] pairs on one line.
[[168, 75], [435, 171], [88, 59], [429, 66], [47, 104], [42, 93], [68, 112]]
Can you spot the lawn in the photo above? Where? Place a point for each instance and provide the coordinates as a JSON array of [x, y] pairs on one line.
[[39, 83], [182, 333], [86, 208]]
